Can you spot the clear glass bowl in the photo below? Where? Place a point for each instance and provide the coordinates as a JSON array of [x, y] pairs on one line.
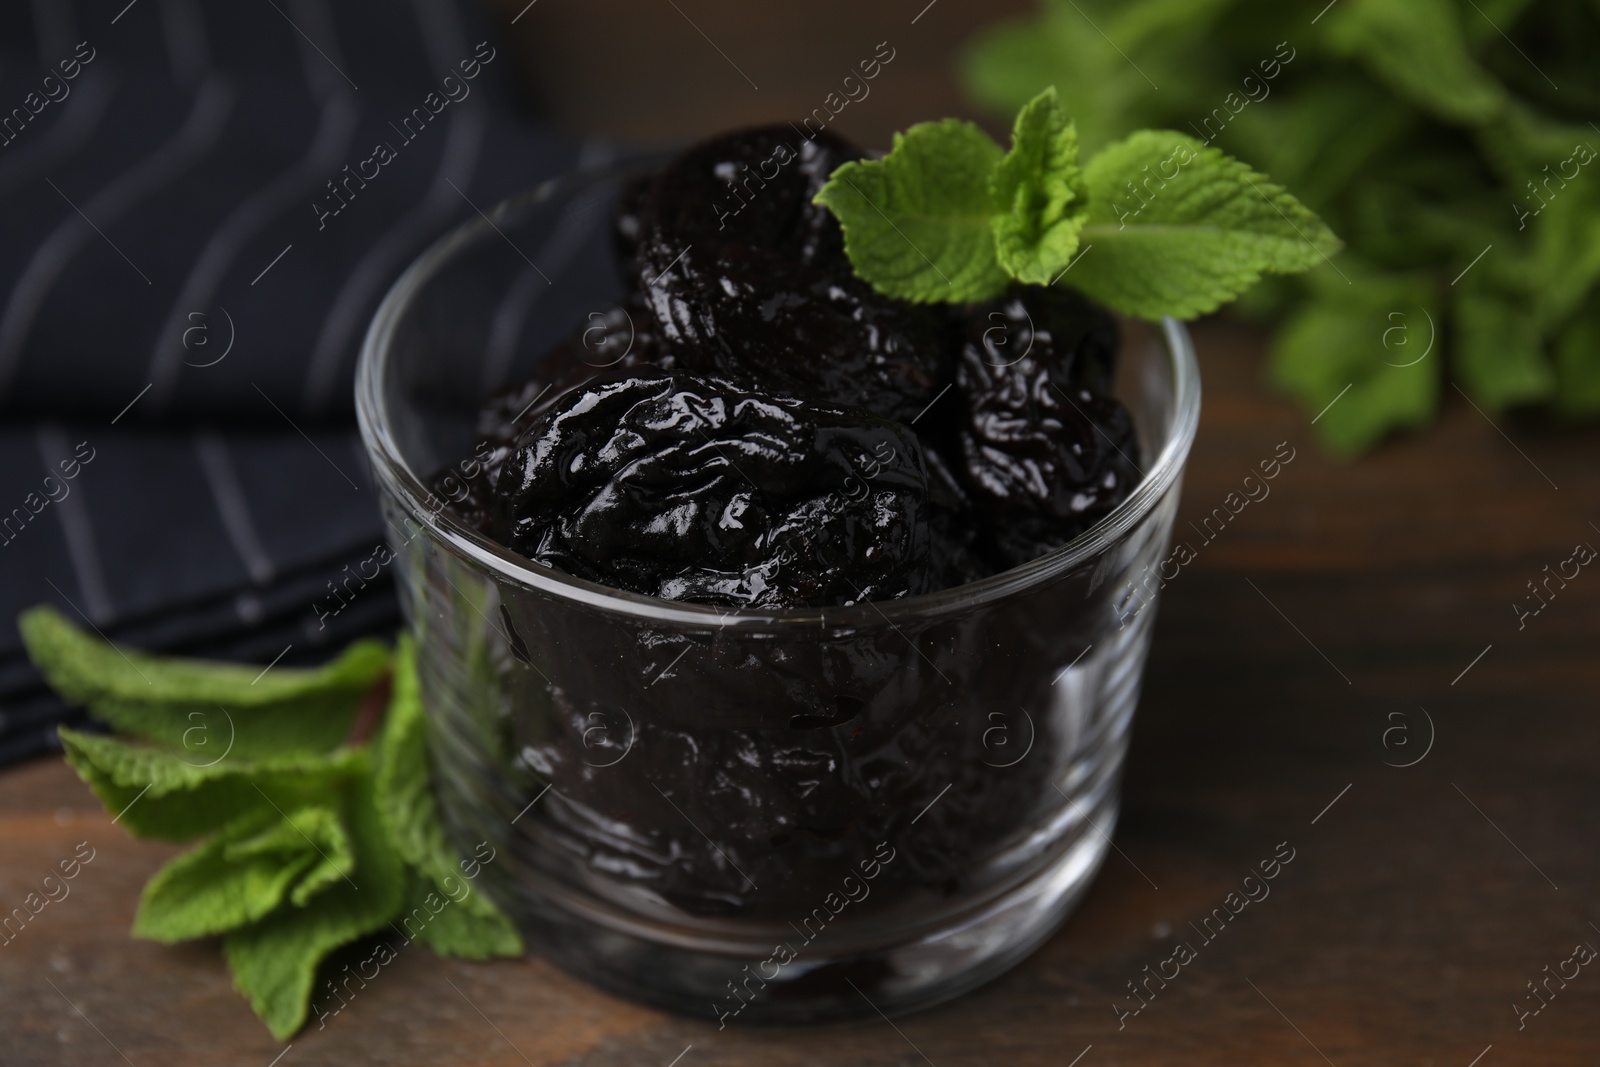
[[751, 816]]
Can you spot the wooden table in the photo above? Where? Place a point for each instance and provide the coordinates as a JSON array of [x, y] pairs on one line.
[[1419, 903], [1358, 618]]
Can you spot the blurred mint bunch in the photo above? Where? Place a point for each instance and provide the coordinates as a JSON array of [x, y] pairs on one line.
[[1450, 143], [308, 792]]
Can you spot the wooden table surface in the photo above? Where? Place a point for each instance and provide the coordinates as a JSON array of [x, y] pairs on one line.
[[1358, 618], [1419, 903]]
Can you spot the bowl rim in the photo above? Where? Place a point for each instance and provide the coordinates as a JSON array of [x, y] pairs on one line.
[[395, 475]]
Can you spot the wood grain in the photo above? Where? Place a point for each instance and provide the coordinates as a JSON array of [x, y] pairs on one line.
[[1401, 933]]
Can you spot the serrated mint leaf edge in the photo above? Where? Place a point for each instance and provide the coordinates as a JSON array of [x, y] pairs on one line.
[[977, 274], [1033, 250]]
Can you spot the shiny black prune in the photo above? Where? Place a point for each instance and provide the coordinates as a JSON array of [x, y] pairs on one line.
[[1046, 452], [748, 279], [693, 488], [955, 551], [616, 339]]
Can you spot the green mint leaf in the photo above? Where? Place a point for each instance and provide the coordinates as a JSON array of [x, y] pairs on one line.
[[274, 959], [1108, 88], [1364, 359], [917, 223], [1577, 360], [1039, 187], [469, 925], [1566, 245], [203, 708], [313, 831], [1499, 355], [443, 918], [1417, 48], [244, 872], [160, 794], [1178, 229], [1337, 128]]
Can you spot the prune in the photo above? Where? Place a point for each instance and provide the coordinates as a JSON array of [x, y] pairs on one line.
[[612, 340], [694, 488], [1045, 452], [954, 552], [748, 279]]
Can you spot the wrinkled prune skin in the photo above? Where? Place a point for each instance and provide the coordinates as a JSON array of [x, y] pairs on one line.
[[613, 340], [1046, 452], [955, 550], [748, 279], [693, 488]]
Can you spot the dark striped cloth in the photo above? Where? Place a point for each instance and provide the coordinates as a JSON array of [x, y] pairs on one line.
[[200, 208]]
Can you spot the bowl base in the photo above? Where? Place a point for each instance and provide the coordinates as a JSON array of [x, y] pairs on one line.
[[729, 986]]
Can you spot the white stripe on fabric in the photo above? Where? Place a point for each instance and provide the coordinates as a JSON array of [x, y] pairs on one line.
[[315, 17], [572, 230], [54, 23], [66, 137], [328, 354], [441, 34], [188, 51], [350, 307], [199, 135], [205, 277], [77, 530], [232, 507]]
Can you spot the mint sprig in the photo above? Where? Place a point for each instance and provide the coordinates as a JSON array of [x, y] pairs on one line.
[[1041, 193], [1175, 228], [314, 836], [1401, 122], [1180, 229], [918, 223]]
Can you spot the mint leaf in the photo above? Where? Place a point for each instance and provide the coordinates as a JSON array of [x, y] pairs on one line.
[[313, 831], [917, 223], [1363, 358], [1322, 337], [274, 959], [1417, 48], [1412, 127], [462, 931], [470, 925], [1178, 229], [1499, 355], [1039, 187], [203, 708], [1008, 62], [243, 873], [83, 668], [1566, 240], [1337, 129], [302, 859], [946, 217], [155, 793], [1577, 360]]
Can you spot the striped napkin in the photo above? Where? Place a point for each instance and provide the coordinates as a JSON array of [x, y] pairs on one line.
[[201, 206]]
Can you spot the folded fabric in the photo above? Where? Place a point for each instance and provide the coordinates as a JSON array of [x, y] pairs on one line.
[[202, 207]]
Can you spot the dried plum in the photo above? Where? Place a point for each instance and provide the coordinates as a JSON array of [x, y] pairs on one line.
[[1045, 451], [739, 286], [954, 552], [612, 340], [748, 279], [694, 488]]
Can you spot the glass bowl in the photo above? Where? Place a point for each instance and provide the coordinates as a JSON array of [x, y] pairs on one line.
[[751, 816]]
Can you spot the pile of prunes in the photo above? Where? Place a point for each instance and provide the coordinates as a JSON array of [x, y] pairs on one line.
[[758, 427]]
